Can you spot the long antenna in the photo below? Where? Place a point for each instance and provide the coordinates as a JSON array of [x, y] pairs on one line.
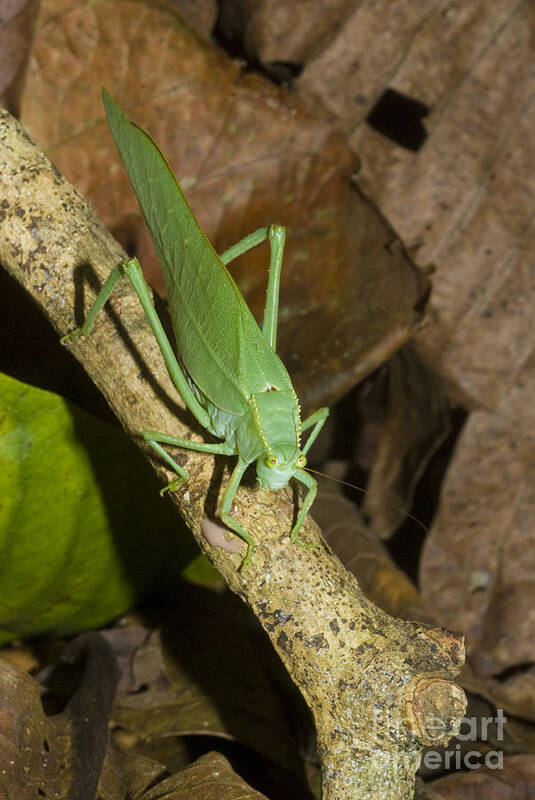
[[371, 494]]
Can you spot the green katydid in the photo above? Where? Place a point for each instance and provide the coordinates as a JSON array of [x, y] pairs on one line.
[[228, 372]]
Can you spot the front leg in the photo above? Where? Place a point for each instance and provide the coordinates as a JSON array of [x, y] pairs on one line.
[[222, 448], [312, 486], [318, 420], [226, 505]]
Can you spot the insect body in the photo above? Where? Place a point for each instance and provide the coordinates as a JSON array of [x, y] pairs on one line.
[[229, 374]]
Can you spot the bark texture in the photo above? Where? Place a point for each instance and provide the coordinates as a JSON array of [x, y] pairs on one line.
[[380, 689]]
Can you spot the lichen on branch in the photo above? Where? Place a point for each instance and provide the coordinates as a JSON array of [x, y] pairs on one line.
[[379, 688]]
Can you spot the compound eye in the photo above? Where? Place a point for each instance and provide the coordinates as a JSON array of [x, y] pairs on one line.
[[271, 461], [301, 461]]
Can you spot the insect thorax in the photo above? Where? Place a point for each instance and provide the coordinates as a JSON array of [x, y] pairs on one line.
[[273, 420]]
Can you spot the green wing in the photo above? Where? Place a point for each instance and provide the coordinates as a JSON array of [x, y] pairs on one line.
[[217, 337]]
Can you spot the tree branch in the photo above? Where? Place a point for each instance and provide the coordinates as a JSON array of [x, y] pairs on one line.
[[379, 688]]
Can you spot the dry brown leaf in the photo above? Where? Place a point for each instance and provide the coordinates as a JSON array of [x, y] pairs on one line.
[[16, 19], [478, 564], [516, 781], [465, 201], [67, 754], [211, 777], [415, 423], [276, 32], [59, 755], [129, 775], [176, 692], [247, 156], [199, 15]]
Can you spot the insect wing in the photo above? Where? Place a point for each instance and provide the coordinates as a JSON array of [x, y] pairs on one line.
[[217, 337]]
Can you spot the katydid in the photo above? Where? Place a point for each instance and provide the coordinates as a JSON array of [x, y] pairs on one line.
[[228, 372]]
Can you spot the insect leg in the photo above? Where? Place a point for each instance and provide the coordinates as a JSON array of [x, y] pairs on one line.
[[109, 285], [318, 420], [184, 475], [153, 438], [277, 236], [226, 504], [257, 237], [132, 270], [312, 486]]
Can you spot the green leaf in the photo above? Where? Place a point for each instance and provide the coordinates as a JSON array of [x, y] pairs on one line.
[[83, 530]]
